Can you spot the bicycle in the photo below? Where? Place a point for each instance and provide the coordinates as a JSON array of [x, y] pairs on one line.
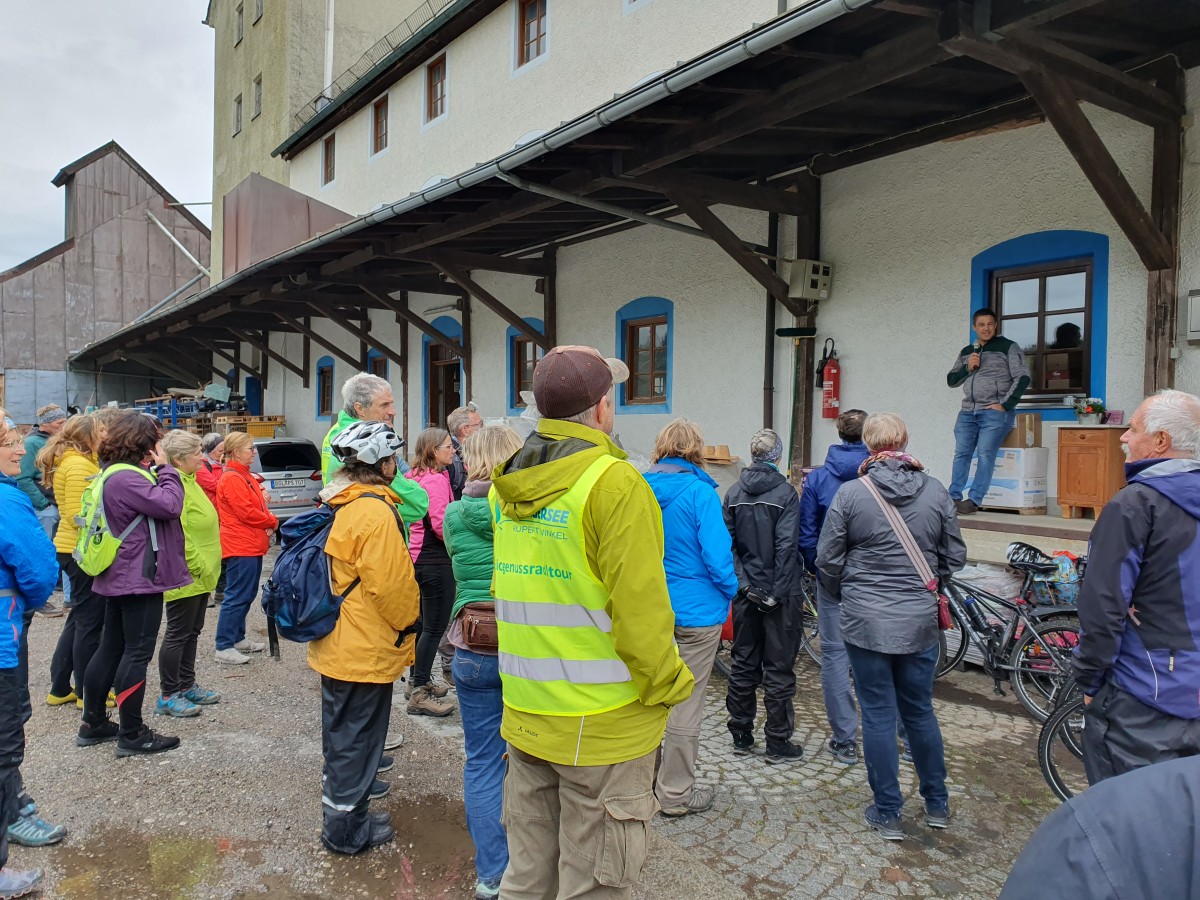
[[1033, 648], [809, 639], [1060, 746]]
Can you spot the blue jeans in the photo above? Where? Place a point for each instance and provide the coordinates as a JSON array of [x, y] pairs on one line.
[[977, 434], [887, 682], [242, 574], [835, 671], [477, 681]]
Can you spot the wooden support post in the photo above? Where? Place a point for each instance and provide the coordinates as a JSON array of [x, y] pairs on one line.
[[232, 357], [467, 351], [316, 338], [808, 246], [550, 295], [405, 314], [404, 351], [359, 332], [262, 344], [306, 354], [468, 284]]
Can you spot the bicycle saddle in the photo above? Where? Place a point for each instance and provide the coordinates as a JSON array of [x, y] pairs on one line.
[[1027, 558]]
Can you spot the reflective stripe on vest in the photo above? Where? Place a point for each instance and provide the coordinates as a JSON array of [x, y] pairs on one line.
[[555, 634]]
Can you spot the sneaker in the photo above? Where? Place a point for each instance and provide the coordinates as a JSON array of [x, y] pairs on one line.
[[784, 752], [29, 830], [379, 789], [231, 657], [380, 818], [906, 755], [53, 699], [248, 646], [937, 816], [966, 507], [20, 882], [888, 826], [200, 696], [846, 754], [51, 611], [145, 744], [176, 705], [393, 740], [701, 801], [99, 733], [487, 890], [385, 764], [743, 742], [424, 703]]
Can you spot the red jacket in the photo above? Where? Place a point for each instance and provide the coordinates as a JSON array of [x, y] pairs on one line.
[[207, 477], [242, 508]]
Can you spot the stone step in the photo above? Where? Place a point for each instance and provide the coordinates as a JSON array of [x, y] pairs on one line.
[[988, 534]]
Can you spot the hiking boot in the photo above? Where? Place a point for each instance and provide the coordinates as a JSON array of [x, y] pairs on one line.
[[393, 740], [743, 742], [248, 646], [438, 690], [145, 744], [176, 705], [231, 657], [846, 754], [937, 816], [381, 833], [424, 703], [701, 801], [98, 733], [200, 696], [380, 818], [487, 890], [53, 699], [385, 764], [379, 789], [966, 507], [906, 755], [51, 611], [888, 826], [20, 883], [784, 752], [31, 831]]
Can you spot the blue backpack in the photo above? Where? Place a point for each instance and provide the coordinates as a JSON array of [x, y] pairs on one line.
[[299, 596]]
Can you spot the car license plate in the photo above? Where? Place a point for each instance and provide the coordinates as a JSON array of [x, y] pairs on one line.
[[280, 484]]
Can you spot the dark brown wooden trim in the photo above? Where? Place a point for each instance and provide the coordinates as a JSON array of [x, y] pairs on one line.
[[550, 295], [719, 190], [363, 334], [265, 348], [306, 355], [808, 246], [400, 308], [468, 260], [317, 338], [472, 287], [464, 393], [233, 358]]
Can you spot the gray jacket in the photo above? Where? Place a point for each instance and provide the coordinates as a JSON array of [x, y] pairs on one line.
[[1001, 377], [885, 607]]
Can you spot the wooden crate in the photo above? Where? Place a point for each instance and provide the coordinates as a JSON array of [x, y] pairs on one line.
[[261, 429]]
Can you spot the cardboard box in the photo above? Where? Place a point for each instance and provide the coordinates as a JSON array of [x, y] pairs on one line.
[[1019, 479], [1026, 433], [1058, 371]]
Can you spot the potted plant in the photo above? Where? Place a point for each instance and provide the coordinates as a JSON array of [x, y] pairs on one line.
[[1089, 410]]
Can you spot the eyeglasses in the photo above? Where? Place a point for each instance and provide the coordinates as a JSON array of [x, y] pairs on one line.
[[445, 446]]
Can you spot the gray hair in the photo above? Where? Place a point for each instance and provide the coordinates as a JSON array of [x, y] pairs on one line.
[[178, 445], [1177, 414], [766, 446], [885, 431], [460, 417], [361, 389], [211, 441]]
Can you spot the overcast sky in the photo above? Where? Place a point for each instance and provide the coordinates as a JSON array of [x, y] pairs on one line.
[[79, 73]]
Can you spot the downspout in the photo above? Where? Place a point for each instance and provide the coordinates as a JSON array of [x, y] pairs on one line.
[[769, 333], [327, 79]]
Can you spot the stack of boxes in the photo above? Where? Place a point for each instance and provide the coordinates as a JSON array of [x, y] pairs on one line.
[[1019, 480]]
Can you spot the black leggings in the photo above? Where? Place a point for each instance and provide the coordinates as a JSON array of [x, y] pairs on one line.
[[126, 647], [177, 655], [81, 635], [437, 599]]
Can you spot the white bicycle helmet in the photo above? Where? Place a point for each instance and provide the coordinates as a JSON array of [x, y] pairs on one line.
[[366, 442]]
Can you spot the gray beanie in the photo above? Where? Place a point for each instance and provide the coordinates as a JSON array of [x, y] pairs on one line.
[[210, 441], [48, 414], [766, 446]]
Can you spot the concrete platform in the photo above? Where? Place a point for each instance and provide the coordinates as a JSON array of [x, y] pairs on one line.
[[988, 534]]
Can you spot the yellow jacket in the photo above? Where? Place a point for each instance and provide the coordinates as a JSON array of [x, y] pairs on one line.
[[70, 479], [366, 543]]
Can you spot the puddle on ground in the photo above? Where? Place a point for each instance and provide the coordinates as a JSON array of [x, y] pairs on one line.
[[432, 856]]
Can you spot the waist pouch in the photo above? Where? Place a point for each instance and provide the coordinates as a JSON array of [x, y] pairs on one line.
[[479, 626]]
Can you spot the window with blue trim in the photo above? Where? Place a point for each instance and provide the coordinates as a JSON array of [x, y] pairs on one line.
[[645, 341], [325, 387], [523, 356], [377, 364]]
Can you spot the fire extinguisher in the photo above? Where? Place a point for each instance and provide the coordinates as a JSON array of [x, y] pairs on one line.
[[830, 373]]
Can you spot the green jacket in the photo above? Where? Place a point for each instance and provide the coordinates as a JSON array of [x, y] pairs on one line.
[[624, 546], [201, 541], [30, 479], [414, 502], [468, 532]]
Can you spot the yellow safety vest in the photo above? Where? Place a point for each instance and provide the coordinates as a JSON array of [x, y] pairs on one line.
[[555, 634]]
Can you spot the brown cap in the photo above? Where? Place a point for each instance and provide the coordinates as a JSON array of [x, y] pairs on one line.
[[570, 379]]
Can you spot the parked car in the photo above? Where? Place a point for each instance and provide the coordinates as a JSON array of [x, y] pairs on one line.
[[290, 469]]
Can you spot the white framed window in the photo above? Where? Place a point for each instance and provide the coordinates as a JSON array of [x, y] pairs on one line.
[[237, 115], [256, 109], [328, 159], [258, 10], [239, 25]]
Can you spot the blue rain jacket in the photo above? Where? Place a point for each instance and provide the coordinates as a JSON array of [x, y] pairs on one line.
[[820, 487], [28, 566]]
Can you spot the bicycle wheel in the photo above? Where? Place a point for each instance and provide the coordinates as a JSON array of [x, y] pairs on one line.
[[810, 637], [1060, 749], [1040, 665], [954, 643]]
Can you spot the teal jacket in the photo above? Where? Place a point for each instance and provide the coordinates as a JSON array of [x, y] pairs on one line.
[[30, 479], [414, 502], [468, 534]]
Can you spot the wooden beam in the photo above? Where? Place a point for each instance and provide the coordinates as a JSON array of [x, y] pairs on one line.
[[1009, 16], [400, 308], [808, 246], [265, 347], [363, 334], [1162, 287], [472, 287], [306, 355], [349, 261], [317, 338], [217, 312], [550, 295], [725, 238], [719, 190], [1064, 114], [467, 260], [465, 321], [232, 357], [927, 9], [163, 367]]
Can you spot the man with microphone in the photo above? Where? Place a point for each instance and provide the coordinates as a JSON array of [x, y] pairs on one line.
[[993, 377]]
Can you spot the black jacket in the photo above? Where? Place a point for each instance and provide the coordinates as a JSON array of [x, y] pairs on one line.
[[762, 513], [458, 470]]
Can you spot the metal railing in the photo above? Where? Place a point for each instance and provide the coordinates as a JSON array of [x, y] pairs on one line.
[[418, 19]]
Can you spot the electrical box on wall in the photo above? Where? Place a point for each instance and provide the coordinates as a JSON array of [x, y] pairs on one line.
[[811, 279], [1192, 323]]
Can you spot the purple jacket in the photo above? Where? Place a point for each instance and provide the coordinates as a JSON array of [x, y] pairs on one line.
[[126, 495]]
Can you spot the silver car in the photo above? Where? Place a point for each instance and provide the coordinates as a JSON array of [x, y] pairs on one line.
[[291, 473]]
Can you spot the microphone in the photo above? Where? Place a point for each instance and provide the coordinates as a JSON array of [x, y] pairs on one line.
[[978, 346]]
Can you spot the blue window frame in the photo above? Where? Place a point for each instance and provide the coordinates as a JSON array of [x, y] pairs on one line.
[[452, 328], [646, 342], [377, 364], [1046, 250], [325, 388], [522, 356]]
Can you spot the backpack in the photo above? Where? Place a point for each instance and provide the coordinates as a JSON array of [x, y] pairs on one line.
[[96, 546], [299, 596]]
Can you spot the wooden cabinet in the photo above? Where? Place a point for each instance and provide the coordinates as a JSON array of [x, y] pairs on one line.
[[1091, 467]]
